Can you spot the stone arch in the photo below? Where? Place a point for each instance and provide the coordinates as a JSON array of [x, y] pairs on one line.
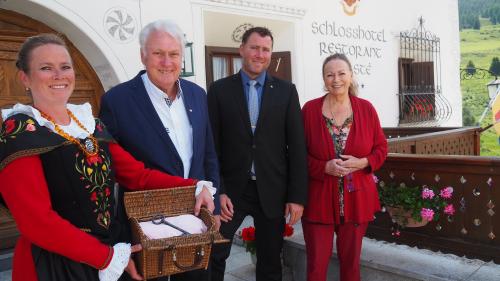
[[14, 29]]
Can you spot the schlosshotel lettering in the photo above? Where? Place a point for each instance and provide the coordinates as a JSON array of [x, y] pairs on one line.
[[332, 29]]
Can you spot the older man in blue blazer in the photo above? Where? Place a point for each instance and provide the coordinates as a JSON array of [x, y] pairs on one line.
[[161, 119]]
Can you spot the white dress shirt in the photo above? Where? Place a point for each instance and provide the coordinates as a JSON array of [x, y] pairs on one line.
[[174, 119]]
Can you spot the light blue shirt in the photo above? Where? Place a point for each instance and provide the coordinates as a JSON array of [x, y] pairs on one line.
[[261, 79]]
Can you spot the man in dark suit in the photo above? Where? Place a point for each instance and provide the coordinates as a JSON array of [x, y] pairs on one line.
[[160, 119], [259, 138]]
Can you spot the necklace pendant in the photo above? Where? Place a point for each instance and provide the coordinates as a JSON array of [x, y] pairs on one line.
[[89, 145]]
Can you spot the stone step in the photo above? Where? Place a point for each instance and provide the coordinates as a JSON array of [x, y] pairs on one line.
[[6, 264], [384, 261], [6, 260]]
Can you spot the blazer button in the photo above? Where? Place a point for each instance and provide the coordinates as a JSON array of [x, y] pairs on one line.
[[254, 146]]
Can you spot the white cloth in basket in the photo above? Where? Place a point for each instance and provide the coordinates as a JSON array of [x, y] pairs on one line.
[[189, 223]]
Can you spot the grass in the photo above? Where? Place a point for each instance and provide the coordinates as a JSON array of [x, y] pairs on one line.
[[480, 46], [484, 21]]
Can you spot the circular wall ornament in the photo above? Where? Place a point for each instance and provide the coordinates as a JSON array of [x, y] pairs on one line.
[[239, 30], [120, 24]]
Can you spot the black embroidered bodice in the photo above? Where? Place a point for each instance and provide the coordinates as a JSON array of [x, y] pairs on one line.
[[81, 188]]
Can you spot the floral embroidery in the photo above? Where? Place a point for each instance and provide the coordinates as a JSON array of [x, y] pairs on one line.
[[339, 135], [11, 128], [96, 173]]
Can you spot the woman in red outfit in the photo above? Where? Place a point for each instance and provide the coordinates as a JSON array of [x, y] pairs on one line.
[[58, 166], [345, 144]]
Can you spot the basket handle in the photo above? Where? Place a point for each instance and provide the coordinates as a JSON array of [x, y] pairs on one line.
[[198, 258]]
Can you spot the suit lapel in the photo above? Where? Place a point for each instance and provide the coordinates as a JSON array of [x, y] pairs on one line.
[[192, 113], [240, 100], [267, 101], [148, 110]]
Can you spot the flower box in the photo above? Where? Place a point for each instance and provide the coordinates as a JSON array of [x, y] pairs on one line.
[[404, 218], [415, 206]]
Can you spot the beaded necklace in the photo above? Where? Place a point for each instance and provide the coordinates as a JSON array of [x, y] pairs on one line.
[[90, 146]]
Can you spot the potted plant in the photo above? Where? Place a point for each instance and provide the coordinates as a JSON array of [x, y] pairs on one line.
[[414, 206], [248, 237]]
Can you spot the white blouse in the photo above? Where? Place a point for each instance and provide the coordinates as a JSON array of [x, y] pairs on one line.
[[83, 112]]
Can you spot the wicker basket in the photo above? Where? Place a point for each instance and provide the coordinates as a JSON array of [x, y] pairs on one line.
[[167, 256]]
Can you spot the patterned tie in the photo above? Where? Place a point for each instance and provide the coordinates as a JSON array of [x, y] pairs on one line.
[[253, 104]]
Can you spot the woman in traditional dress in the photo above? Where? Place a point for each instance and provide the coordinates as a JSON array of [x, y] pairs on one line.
[[58, 166], [345, 144]]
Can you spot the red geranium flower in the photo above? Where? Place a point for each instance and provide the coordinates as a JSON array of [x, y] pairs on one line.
[[248, 233], [288, 230], [248, 237], [93, 196], [9, 126], [107, 191]]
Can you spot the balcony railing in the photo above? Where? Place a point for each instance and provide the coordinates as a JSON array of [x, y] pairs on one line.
[[474, 230], [460, 141]]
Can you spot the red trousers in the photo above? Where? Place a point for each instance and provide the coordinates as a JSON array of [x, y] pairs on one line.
[[319, 246]]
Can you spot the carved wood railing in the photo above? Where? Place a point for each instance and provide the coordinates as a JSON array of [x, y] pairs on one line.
[[456, 141], [474, 230], [398, 132]]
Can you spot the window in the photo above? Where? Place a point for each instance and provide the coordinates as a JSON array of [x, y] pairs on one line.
[[420, 99], [221, 62]]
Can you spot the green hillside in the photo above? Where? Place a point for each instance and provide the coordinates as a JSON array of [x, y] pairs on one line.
[[480, 46]]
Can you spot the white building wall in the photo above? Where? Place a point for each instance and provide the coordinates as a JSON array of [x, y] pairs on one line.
[[380, 75], [116, 58]]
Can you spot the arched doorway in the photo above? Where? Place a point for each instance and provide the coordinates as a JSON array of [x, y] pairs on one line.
[[14, 29]]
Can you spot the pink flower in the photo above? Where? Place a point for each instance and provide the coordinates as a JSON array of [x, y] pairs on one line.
[[427, 214], [375, 179], [449, 209], [30, 127], [427, 193], [446, 192]]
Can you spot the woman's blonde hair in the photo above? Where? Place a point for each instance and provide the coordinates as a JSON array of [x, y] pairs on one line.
[[353, 88]]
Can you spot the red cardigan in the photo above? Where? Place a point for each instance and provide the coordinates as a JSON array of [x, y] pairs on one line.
[[25, 191], [366, 139]]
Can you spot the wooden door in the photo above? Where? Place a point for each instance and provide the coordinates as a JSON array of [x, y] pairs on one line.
[[279, 67], [14, 29]]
